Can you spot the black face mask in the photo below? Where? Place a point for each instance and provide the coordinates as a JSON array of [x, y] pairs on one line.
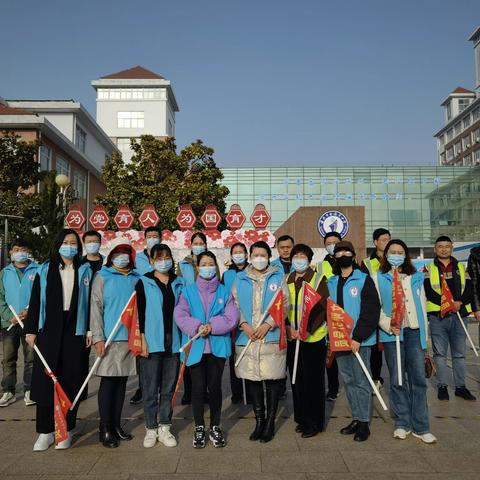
[[344, 262]]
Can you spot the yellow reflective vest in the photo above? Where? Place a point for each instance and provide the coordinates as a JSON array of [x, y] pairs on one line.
[[324, 268], [373, 265]]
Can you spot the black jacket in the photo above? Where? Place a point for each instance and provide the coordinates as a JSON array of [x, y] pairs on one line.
[[473, 269]]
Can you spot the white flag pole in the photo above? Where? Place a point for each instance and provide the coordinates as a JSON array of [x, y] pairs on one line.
[[190, 340], [370, 380], [244, 388], [467, 334], [399, 360], [297, 343]]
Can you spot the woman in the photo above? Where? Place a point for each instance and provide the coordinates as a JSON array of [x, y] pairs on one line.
[[355, 292], [254, 290], [409, 401], [57, 323], [112, 288], [207, 307], [309, 388], [157, 295]]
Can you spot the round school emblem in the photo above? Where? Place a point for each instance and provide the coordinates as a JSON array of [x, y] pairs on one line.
[[273, 287], [333, 221], [86, 282], [354, 292], [31, 277], [220, 301]]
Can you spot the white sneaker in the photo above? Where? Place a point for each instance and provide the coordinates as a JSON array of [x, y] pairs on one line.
[[65, 444], [426, 437], [44, 441], [7, 399], [150, 438], [166, 437], [28, 401], [401, 433]]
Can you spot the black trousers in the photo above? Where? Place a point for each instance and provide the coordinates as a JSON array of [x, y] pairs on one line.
[[332, 374], [111, 396], [376, 361], [309, 388], [45, 422], [207, 374], [235, 382]]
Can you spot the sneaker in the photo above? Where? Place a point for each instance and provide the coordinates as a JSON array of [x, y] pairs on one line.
[[216, 437], [137, 397], [28, 401], [44, 441], [67, 443], [150, 438], [443, 393], [465, 393], [425, 438], [199, 437], [7, 399], [401, 433], [166, 437], [332, 396]]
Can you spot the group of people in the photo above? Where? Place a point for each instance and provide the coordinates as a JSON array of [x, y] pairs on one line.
[[72, 302]]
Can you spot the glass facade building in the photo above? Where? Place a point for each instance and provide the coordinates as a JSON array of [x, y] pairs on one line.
[[415, 203]]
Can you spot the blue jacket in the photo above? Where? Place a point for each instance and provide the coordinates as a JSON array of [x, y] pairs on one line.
[[187, 271], [142, 263], [17, 292], [278, 263], [229, 277]]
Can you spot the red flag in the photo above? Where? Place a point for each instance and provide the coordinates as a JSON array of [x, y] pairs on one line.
[[398, 302], [310, 298], [340, 326], [61, 405], [447, 302], [181, 373], [276, 311], [130, 320]]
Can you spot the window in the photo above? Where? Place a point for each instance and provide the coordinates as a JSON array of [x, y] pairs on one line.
[[123, 145], [80, 184], [132, 94], [63, 167], [80, 138], [466, 142], [476, 135], [457, 148], [476, 114], [442, 159], [449, 111], [463, 103], [449, 134], [467, 161], [130, 119], [476, 157], [466, 122], [449, 154], [442, 140], [458, 128], [45, 158]]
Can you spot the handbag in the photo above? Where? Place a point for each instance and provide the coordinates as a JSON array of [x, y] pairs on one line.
[[430, 368]]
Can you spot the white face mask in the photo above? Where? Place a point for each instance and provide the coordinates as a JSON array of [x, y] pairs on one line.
[[330, 248], [260, 263]]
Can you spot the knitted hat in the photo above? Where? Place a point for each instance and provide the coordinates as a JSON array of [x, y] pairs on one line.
[[344, 245]]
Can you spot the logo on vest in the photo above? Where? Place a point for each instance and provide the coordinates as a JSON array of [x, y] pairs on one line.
[[354, 292], [333, 221], [273, 287], [220, 301], [86, 282], [31, 277]]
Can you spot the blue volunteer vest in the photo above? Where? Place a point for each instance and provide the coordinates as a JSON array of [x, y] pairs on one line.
[[117, 289], [229, 277], [220, 345], [273, 283], [188, 272], [84, 274], [278, 263], [154, 330], [17, 292], [142, 263], [352, 298], [385, 281]]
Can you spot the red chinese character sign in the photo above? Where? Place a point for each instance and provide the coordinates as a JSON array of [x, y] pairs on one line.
[[124, 218], [260, 217], [149, 217], [211, 218], [75, 218], [235, 217], [99, 218], [186, 218]]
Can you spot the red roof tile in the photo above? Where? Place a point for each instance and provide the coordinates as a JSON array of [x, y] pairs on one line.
[[6, 110], [462, 90], [137, 72]]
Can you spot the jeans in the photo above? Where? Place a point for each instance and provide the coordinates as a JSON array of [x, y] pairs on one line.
[[158, 375], [357, 388], [409, 401], [11, 344], [448, 331]]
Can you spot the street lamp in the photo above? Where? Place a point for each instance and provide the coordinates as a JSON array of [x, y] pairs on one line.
[[64, 183]]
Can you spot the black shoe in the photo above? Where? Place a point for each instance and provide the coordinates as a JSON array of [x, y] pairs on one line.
[[310, 432], [259, 426], [332, 396], [107, 437], [216, 437], [269, 430], [362, 433], [199, 437], [299, 428], [464, 392], [236, 400], [121, 434], [137, 397], [186, 400], [443, 393], [350, 429]]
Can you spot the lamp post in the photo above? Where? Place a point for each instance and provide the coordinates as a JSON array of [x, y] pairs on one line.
[[64, 184]]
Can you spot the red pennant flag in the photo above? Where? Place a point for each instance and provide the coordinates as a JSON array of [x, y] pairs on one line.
[[340, 326], [398, 302], [310, 298], [61, 405], [276, 311], [181, 374], [447, 302], [130, 320]]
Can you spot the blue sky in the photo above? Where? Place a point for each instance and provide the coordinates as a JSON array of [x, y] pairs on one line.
[[263, 82]]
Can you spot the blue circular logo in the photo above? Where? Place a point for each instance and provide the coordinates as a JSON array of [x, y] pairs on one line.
[[333, 221]]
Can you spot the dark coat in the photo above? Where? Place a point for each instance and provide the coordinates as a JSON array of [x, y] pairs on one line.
[[473, 269]]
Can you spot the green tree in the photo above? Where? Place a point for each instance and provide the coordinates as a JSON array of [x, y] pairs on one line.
[[157, 174]]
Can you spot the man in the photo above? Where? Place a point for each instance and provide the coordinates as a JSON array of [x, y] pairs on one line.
[[153, 236], [447, 330], [474, 272], [92, 241], [371, 265], [16, 281], [285, 244]]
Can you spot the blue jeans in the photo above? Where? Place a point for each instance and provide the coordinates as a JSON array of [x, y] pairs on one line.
[[357, 388], [409, 402], [448, 331], [158, 375]]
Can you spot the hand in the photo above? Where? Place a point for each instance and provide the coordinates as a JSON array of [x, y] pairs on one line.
[[13, 320], [145, 351], [292, 334], [100, 348], [88, 341], [23, 315], [30, 339], [355, 346], [248, 330], [457, 306], [477, 315], [395, 331], [205, 329], [261, 331]]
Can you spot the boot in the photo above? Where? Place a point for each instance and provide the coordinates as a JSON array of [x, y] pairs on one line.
[[121, 434], [273, 396], [107, 436], [362, 433], [259, 410]]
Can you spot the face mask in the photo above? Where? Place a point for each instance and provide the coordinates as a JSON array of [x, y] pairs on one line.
[[92, 248], [344, 262], [151, 242], [300, 264], [68, 251], [260, 263], [330, 248], [238, 259], [395, 260], [207, 272], [20, 257], [163, 266], [198, 249], [121, 260]]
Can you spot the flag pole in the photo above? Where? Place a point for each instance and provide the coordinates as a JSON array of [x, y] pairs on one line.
[[399, 360], [244, 392], [467, 334], [190, 340], [370, 380], [297, 343]]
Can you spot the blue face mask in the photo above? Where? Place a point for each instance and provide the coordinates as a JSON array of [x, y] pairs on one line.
[[238, 259], [92, 248], [121, 260], [395, 260], [330, 248], [300, 264], [68, 251], [207, 272], [152, 241], [163, 266], [20, 257], [198, 249]]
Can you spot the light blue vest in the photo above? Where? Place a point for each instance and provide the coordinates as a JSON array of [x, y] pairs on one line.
[[352, 298], [142, 263], [220, 345], [188, 272], [117, 289], [84, 273], [229, 277], [385, 281], [273, 282], [154, 330], [17, 292], [278, 263]]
